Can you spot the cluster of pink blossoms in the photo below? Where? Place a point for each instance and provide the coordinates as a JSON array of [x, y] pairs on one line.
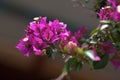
[[111, 12], [40, 34], [46, 38]]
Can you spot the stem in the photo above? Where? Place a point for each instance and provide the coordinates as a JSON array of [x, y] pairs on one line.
[[112, 37], [63, 74]]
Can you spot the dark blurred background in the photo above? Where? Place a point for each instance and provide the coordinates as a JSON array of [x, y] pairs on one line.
[[15, 15]]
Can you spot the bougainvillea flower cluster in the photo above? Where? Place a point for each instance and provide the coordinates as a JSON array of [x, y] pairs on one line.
[[101, 45], [40, 34], [105, 13], [107, 48], [110, 12]]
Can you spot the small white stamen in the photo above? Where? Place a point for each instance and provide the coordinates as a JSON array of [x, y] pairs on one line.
[[108, 6], [36, 18], [118, 8], [61, 23], [25, 39]]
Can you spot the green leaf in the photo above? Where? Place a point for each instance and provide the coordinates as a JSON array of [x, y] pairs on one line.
[[79, 50], [111, 38], [90, 62], [105, 21], [69, 64], [99, 4], [102, 63], [95, 31], [66, 49], [78, 66], [117, 45], [49, 52], [83, 41], [119, 29]]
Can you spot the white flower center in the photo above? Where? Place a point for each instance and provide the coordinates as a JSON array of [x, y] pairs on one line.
[[118, 8], [36, 18], [25, 39]]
